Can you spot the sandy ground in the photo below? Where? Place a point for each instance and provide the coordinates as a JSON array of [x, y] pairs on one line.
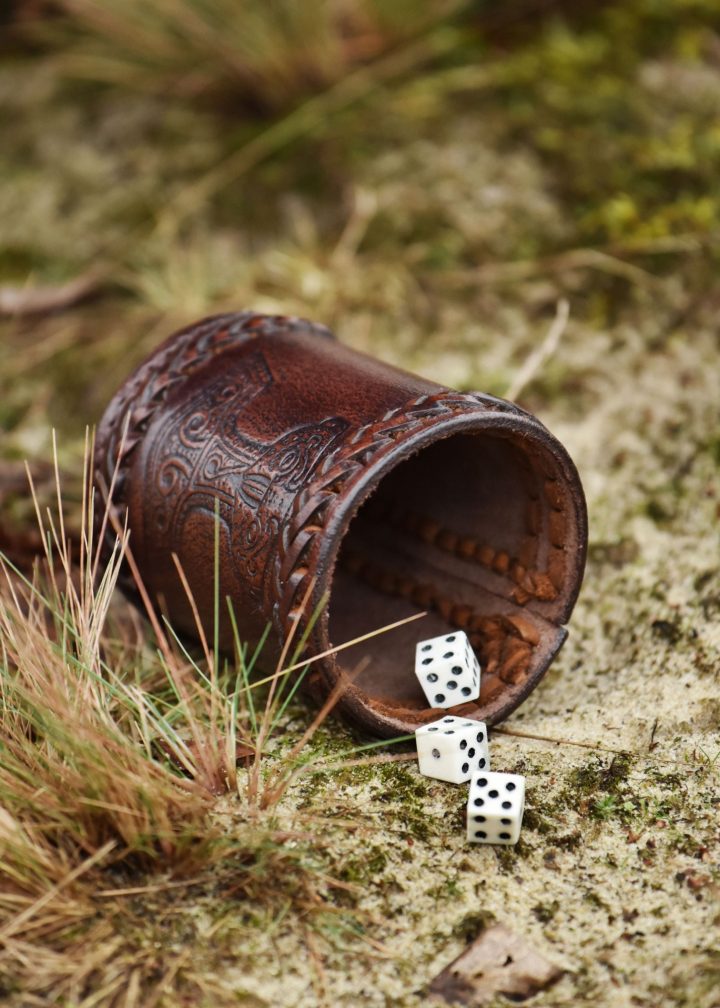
[[616, 875], [616, 878]]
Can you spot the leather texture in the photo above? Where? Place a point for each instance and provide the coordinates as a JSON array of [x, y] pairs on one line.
[[325, 480]]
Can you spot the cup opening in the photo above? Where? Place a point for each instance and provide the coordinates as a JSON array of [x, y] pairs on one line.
[[477, 530]]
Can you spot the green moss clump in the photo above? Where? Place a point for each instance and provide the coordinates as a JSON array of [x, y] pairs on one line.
[[545, 912], [366, 869], [472, 924], [599, 775]]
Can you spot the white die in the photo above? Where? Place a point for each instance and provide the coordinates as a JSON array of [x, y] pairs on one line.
[[452, 749], [495, 808], [447, 669]]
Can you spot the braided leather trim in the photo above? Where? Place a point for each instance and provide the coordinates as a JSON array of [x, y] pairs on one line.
[[313, 506]]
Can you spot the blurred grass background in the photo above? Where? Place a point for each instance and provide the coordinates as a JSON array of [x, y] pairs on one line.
[[430, 179], [381, 166]]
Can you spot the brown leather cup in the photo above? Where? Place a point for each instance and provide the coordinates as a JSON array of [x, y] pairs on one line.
[[313, 464]]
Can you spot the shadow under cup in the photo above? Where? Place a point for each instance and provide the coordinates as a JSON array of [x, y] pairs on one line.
[[317, 473]]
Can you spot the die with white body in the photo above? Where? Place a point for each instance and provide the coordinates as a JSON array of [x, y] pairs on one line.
[[452, 749], [447, 670], [495, 808]]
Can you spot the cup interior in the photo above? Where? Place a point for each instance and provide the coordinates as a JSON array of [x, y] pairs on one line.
[[478, 531]]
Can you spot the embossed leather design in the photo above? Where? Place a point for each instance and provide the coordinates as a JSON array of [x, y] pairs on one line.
[[309, 465]]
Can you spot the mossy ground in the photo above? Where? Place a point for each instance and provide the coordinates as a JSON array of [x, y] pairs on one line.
[[436, 222]]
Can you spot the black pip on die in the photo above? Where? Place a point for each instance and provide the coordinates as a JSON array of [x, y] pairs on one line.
[[447, 670], [495, 808], [452, 749]]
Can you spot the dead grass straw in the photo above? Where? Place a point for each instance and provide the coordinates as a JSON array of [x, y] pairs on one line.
[[113, 757]]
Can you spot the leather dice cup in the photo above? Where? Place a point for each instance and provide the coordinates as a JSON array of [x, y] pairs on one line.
[[315, 465]]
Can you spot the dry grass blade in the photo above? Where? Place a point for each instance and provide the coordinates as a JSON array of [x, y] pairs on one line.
[[17, 923], [270, 706], [263, 55], [77, 788], [300, 122], [98, 746], [272, 794], [337, 649], [535, 362]]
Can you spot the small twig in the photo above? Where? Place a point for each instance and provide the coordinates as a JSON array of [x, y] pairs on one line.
[[591, 745], [253, 787], [335, 694], [607, 259], [43, 300], [543, 353], [364, 207], [273, 795], [319, 767], [560, 741], [651, 743]]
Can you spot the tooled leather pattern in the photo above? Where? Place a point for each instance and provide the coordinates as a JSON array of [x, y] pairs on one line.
[[239, 469], [141, 397], [202, 461]]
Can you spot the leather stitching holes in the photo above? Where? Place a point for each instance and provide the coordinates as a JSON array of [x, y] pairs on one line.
[[505, 653]]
